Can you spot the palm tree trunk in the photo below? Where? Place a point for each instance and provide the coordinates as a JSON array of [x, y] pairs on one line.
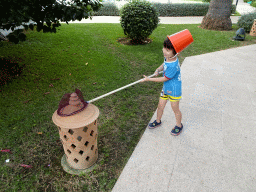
[[218, 15]]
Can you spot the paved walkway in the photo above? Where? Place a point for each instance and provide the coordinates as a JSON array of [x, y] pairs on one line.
[[244, 8], [163, 20], [216, 151]]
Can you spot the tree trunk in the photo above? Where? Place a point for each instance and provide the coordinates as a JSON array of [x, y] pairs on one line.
[[218, 16]]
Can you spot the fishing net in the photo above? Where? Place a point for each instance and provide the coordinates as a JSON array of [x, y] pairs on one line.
[[71, 104]]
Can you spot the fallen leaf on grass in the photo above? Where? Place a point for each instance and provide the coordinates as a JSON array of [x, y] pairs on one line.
[[39, 133], [26, 166], [6, 150], [26, 101]]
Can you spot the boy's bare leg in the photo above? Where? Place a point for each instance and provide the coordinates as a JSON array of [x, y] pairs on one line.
[[176, 110], [160, 109]]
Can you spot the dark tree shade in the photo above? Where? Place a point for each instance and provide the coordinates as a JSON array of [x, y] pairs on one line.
[[14, 12]]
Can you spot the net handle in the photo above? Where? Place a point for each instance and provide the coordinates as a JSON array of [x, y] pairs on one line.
[[121, 88]]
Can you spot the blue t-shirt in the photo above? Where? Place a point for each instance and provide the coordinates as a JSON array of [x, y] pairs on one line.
[[171, 71]]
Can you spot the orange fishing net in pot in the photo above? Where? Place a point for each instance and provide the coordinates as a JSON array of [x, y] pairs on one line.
[[71, 104]]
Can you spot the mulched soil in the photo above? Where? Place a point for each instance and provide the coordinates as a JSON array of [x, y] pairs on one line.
[[9, 69]]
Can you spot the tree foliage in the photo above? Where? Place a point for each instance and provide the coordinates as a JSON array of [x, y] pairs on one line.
[[15, 12]]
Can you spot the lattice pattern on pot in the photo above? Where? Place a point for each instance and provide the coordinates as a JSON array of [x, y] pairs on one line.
[[253, 29], [80, 145], [80, 156]]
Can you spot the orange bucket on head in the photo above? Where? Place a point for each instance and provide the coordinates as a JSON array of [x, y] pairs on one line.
[[181, 40]]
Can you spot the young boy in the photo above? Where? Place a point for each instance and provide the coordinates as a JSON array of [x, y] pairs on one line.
[[171, 88]]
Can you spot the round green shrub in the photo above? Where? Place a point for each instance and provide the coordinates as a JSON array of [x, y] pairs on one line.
[[246, 21], [138, 20]]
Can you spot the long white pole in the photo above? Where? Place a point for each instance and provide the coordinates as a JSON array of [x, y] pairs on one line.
[[121, 88]]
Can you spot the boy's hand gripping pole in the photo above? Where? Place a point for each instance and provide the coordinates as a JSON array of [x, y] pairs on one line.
[[121, 88]]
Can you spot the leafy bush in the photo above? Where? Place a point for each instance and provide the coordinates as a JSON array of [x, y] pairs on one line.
[[208, 1], [164, 9], [246, 1], [246, 21], [186, 9], [253, 4], [233, 9], [138, 20], [108, 9]]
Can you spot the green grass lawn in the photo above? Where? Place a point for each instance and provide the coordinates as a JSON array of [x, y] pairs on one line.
[[194, 0], [87, 57]]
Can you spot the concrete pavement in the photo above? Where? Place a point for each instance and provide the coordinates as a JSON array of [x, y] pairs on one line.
[[163, 20], [216, 151], [244, 8]]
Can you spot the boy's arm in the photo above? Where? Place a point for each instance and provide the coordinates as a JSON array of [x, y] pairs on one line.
[[160, 68], [158, 79]]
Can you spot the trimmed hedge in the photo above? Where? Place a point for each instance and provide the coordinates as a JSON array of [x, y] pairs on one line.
[[165, 9], [210, 0], [185, 9], [233, 9], [108, 9]]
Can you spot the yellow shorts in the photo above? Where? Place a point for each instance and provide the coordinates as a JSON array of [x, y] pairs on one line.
[[171, 98]]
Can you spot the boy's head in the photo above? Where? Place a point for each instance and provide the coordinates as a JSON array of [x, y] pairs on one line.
[[168, 49]]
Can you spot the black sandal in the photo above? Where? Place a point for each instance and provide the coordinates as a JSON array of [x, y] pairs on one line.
[[154, 124], [176, 130]]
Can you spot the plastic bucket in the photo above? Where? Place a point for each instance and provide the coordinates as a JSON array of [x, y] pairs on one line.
[[181, 40]]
